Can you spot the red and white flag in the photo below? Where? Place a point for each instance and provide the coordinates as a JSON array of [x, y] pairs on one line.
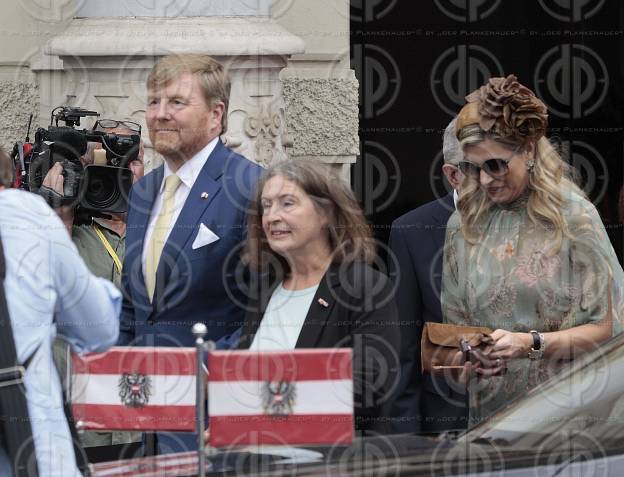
[[135, 388], [284, 398]]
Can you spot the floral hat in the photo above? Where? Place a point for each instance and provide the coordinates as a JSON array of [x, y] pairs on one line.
[[507, 108]]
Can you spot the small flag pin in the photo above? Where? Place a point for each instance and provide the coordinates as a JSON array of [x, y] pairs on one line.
[[323, 302], [204, 195]]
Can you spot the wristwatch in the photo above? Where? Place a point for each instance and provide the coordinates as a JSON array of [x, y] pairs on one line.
[[537, 350]]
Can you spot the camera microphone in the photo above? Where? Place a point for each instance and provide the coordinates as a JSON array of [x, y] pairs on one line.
[[68, 143]]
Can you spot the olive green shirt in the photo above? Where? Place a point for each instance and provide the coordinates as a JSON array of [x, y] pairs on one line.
[[101, 264], [95, 255]]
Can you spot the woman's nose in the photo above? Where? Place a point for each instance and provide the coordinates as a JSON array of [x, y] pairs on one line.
[[484, 178], [271, 214]]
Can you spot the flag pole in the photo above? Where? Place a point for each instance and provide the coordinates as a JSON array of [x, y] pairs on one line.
[[200, 331]]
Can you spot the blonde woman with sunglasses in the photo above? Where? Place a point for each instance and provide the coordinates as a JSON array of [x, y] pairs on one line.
[[526, 253]]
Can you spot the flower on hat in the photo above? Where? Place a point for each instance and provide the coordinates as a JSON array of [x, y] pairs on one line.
[[510, 109]]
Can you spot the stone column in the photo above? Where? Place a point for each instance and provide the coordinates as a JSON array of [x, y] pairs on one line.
[[320, 88], [108, 50], [321, 97]]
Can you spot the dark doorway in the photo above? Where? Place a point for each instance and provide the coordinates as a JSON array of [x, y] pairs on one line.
[[417, 60]]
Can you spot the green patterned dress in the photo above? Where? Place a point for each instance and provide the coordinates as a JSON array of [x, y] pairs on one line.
[[511, 279]]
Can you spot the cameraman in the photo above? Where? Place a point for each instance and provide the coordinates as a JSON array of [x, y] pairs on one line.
[[101, 244], [48, 290]]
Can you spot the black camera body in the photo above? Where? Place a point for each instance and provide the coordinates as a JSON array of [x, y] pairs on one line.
[[94, 189]]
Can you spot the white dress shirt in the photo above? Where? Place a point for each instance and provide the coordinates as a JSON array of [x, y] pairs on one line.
[[48, 290], [188, 174]]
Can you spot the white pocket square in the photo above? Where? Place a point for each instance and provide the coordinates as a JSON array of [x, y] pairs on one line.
[[204, 237]]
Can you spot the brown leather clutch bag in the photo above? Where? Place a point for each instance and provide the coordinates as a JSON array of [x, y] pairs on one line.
[[441, 341]]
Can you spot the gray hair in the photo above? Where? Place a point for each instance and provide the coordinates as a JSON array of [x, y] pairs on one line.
[[451, 149]]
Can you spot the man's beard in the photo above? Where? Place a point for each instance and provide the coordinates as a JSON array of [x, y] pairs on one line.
[[171, 150]]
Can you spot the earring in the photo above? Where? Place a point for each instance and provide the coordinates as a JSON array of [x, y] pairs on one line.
[[530, 165]]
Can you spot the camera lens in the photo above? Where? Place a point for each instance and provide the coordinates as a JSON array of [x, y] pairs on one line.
[[102, 190], [105, 189]]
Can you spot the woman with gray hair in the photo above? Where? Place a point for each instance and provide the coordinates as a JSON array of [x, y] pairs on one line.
[[526, 254]]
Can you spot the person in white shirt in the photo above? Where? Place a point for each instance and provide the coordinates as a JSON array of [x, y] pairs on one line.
[[49, 291]]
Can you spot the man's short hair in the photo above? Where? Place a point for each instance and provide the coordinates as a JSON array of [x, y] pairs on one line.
[[214, 82], [6, 170], [451, 150]]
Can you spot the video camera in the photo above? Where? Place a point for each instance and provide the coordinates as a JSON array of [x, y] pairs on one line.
[[94, 189]]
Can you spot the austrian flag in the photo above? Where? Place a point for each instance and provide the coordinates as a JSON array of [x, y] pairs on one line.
[[283, 398], [140, 388]]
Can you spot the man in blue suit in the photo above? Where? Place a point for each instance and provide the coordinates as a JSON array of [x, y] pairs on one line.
[[186, 219], [424, 403]]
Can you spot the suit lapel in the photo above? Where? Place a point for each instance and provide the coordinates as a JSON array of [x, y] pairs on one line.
[[144, 194], [188, 221], [143, 197], [445, 209], [320, 309]]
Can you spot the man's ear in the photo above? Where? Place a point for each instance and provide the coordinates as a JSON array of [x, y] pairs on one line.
[[453, 175], [218, 110]]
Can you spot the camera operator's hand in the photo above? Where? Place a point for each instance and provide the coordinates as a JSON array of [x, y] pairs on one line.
[[54, 181]]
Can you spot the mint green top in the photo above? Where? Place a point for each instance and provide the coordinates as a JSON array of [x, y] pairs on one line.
[[283, 319], [510, 280]]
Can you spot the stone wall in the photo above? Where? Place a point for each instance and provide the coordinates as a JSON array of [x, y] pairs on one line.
[[18, 99], [27, 25], [322, 116]]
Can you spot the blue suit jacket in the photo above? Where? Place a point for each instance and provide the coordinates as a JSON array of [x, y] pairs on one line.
[[423, 403], [191, 285]]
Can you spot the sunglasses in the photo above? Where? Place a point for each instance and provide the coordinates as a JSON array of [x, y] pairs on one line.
[[495, 167], [113, 123]]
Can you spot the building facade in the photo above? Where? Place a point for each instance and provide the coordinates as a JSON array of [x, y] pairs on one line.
[[293, 92]]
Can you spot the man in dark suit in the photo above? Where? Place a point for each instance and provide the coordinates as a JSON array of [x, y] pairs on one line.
[[186, 218], [424, 403]]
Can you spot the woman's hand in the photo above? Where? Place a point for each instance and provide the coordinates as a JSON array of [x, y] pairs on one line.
[[487, 365], [465, 373], [509, 345], [481, 366]]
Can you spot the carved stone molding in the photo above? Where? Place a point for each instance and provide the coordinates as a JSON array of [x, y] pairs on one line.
[[106, 62], [256, 120]]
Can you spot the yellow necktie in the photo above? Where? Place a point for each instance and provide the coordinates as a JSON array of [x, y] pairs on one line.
[[161, 228]]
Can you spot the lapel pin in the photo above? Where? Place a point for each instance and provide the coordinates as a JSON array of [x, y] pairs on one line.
[[204, 195], [323, 302]]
